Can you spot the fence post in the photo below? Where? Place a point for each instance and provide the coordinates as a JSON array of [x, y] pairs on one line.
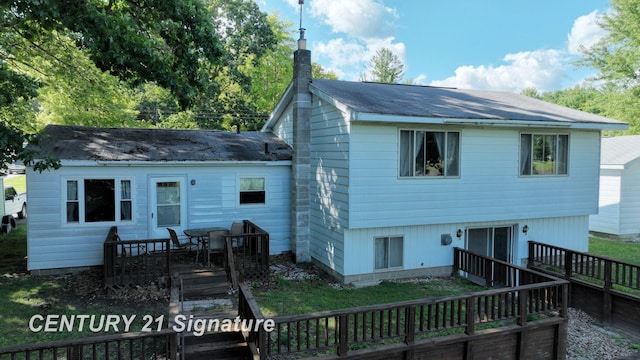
[[532, 255], [568, 262], [471, 315], [262, 343], [343, 335], [523, 299], [456, 261], [409, 324], [606, 293]]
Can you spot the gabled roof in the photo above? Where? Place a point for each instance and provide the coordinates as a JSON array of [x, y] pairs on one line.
[[619, 151], [159, 145], [426, 104]]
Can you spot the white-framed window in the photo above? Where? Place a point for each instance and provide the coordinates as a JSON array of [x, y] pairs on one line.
[[544, 154], [429, 153], [252, 190], [389, 252], [93, 200]]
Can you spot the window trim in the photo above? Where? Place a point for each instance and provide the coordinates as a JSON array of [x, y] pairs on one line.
[[257, 204], [431, 130], [389, 268], [557, 142], [80, 180]]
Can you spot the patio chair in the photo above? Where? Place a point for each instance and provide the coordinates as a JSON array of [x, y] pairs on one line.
[[190, 245], [215, 244], [237, 229]]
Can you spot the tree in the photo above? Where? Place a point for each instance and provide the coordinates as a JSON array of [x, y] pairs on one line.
[[385, 67], [531, 92], [617, 58], [170, 42], [617, 55]]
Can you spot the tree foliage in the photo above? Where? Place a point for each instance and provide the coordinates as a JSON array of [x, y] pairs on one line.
[[617, 58], [385, 67], [169, 42]]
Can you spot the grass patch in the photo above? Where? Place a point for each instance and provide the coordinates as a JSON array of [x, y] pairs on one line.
[[13, 251], [24, 296], [307, 296], [19, 182], [615, 249]]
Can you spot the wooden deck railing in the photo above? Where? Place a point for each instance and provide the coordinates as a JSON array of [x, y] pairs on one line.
[[128, 346], [134, 262], [493, 272], [569, 263], [250, 252], [342, 331]]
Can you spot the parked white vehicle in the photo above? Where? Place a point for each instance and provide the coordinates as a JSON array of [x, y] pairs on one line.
[[14, 204]]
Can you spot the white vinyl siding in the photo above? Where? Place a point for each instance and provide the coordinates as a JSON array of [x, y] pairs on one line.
[[423, 249], [630, 206], [211, 201], [619, 207], [329, 185], [490, 189]]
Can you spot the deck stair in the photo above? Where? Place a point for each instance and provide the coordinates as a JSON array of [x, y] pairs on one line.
[[206, 295]]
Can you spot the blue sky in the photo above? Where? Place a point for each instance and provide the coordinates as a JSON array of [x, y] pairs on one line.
[[493, 44]]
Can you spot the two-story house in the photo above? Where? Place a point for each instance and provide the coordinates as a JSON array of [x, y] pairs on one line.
[[388, 178], [370, 181]]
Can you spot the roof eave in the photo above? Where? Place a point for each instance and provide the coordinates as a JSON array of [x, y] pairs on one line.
[[385, 118], [175, 163]]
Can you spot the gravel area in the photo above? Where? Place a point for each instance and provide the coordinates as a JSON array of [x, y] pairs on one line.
[[587, 340]]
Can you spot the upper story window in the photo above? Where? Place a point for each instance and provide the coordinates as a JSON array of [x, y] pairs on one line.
[[429, 153], [98, 200], [252, 191], [544, 154]]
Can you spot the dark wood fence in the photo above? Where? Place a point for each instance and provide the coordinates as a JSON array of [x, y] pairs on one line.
[[129, 346], [605, 288], [247, 253], [494, 273], [135, 262], [404, 328]]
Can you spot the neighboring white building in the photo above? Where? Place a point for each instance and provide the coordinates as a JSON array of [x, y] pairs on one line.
[[619, 205], [145, 180]]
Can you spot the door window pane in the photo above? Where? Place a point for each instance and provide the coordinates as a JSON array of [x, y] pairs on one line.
[[168, 203]]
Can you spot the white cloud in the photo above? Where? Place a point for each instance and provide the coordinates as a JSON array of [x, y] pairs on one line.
[[362, 19], [540, 69], [584, 33]]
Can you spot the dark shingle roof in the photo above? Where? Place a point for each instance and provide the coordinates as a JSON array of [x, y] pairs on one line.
[[127, 144], [437, 102]]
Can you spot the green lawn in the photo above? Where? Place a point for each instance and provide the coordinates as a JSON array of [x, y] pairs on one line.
[[22, 296], [615, 249], [299, 297]]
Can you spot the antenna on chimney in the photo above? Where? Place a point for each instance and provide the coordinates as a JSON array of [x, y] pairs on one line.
[[302, 42]]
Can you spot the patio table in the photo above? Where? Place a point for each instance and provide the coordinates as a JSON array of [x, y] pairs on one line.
[[202, 236]]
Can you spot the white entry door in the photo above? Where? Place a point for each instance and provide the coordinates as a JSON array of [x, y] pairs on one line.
[[167, 205]]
